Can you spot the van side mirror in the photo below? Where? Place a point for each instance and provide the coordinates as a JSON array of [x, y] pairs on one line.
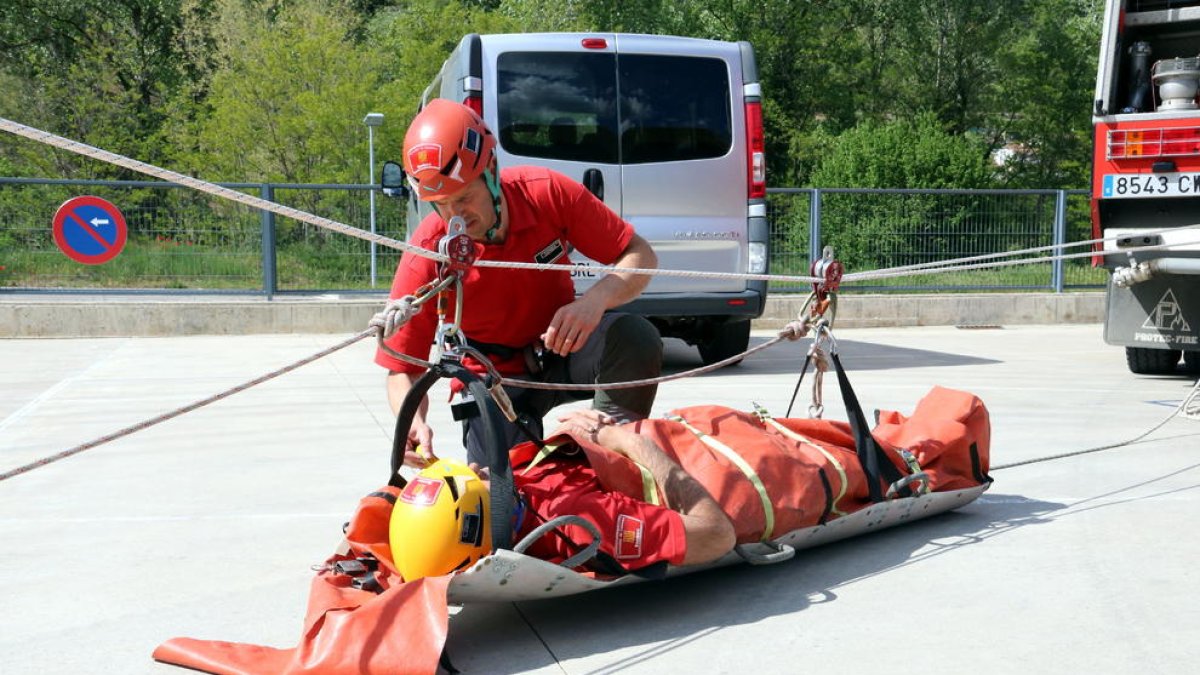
[[393, 181]]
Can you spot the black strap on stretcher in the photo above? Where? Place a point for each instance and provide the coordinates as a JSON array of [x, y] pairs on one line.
[[880, 470], [499, 469]]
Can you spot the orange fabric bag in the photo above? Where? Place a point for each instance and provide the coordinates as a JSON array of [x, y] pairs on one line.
[[808, 469], [347, 630]]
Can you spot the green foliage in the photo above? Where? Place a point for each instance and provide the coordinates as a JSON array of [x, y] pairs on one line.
[[287, 105], [912, 152], [915, 152]]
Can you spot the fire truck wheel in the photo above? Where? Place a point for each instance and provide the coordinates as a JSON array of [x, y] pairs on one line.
[[1152, 361]]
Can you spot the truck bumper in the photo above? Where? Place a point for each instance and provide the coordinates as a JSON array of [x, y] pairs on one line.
[[1162, 312]]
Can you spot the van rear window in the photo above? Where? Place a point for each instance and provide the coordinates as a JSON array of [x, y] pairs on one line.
[[564, 106], [673, 108], [558, 105]]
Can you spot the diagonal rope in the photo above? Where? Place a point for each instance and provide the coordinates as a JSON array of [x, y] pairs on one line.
[[145, 424], [1182, 408], [209, 188]]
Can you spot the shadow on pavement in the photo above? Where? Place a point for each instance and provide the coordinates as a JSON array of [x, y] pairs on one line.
[[787, 357], [669, 614]]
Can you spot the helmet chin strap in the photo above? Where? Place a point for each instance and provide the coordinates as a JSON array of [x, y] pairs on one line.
[[493, 183]]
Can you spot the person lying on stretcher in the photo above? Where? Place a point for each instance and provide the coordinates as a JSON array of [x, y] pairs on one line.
[[436, 531], [684, 490]]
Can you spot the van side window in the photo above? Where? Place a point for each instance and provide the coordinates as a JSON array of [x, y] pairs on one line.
[[558, 105], [673, 108]]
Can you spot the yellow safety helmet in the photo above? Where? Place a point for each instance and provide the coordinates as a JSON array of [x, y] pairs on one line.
[[440, 523]]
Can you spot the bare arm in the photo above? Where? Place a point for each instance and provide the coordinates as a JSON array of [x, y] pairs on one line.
[[707, 529], [573, 323]]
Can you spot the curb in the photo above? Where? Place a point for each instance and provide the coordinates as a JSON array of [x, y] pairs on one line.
[[36, 316]]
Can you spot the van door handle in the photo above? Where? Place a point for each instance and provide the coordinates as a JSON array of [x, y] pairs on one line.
[[593, 180]]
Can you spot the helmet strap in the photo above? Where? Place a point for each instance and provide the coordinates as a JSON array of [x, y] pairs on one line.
[[493, 183]]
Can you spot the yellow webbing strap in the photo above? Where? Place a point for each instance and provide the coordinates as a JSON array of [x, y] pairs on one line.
[[649, 488], [841, 471], [733, 456], [543, 453]]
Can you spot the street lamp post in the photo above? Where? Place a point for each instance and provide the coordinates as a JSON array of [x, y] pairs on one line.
[[372, 120]]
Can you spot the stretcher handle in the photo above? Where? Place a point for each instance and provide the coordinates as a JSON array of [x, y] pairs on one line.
[[920, 477], [780, 553], [576, 560]]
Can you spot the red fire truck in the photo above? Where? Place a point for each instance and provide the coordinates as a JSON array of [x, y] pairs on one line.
[[1146, 180]]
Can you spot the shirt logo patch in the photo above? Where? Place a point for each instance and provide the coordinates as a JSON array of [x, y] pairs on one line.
[[629, 537], [425, 156], [422, 491], [552, 252]]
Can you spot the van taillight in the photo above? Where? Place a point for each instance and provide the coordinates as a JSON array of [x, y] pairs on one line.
[[756, 159], [474, 103], [594, 43]]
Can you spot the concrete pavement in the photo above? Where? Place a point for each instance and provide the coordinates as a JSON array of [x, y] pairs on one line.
[[206, 525]]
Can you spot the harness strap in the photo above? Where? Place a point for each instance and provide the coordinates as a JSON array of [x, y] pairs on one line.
[[740, 463], [875, 463]]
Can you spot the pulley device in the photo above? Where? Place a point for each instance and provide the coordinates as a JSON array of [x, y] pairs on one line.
[[817, 315]]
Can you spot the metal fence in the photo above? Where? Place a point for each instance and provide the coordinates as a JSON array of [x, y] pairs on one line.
[[184, 241], [876, 229]]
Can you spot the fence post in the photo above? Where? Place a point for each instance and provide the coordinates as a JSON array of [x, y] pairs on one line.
[[814, 227], [1060, 239], [268, 243]]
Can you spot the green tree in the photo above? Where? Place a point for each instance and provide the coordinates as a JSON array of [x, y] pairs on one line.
[[1045, 95], [287, 102], [100, 71]]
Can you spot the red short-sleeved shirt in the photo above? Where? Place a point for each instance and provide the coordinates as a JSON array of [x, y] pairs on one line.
[[634, 532], [547, 212]]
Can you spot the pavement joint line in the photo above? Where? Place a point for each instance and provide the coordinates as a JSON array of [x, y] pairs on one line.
[[32, 405]]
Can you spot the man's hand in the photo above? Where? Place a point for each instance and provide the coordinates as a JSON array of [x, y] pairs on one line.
[[418, 451], [573, 324], [588, 423]]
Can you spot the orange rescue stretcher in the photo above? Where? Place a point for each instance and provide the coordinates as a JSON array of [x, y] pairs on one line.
[[786, 484]]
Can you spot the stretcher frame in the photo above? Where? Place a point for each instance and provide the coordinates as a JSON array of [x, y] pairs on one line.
[[508, 576]]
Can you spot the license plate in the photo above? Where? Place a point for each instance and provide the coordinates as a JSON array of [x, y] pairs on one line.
[[1141, 185]]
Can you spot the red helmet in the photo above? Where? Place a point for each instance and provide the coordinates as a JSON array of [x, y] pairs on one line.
[[447, 146]]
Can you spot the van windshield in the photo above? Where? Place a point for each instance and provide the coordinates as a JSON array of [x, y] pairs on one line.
[[564, 106]]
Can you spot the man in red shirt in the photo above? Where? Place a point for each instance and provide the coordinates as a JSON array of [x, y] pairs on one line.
[[529, 215]]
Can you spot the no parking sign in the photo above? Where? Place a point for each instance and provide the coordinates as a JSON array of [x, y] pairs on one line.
[[89, 230]]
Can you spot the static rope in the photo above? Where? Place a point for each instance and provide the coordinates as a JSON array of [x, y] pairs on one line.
[[1182, 407], [303, 216], [185, 409], [1038, 249], [786, 333]]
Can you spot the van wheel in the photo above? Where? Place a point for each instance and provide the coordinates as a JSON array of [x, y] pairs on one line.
[[728, 339], [1191, 361], [1151, 361]]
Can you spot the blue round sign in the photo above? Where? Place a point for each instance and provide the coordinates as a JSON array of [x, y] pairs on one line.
[[89, 230]]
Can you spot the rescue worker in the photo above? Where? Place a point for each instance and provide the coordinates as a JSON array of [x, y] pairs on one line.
[[528, 323], [688, 528]]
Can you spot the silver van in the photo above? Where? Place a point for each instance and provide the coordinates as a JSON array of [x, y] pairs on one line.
[[667, 131]]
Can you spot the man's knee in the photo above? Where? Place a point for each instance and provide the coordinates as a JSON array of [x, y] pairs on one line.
[[633, 342]]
